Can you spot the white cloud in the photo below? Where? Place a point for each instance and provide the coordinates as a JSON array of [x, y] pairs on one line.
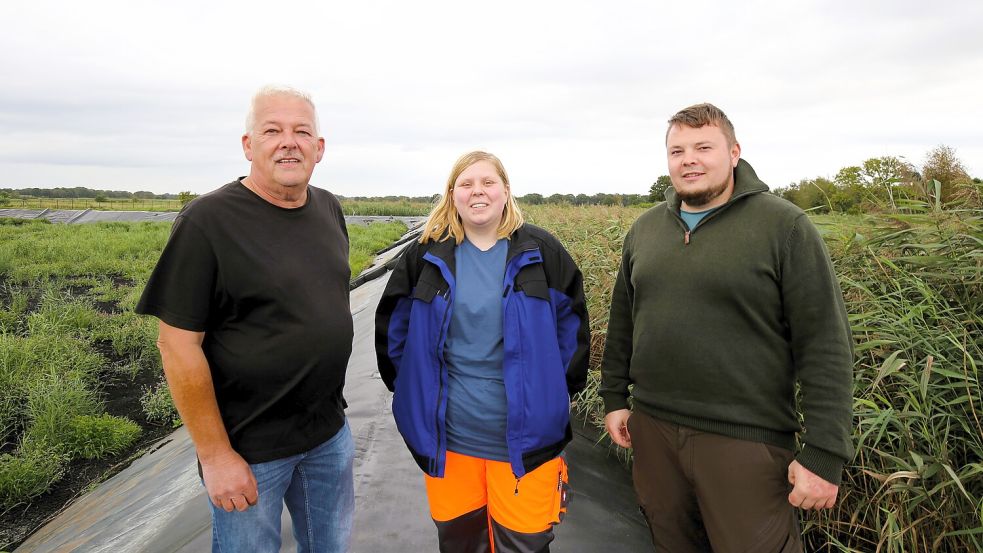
[[573, 96]]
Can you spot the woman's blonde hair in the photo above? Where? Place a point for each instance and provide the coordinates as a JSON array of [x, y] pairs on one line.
[[445, 222]]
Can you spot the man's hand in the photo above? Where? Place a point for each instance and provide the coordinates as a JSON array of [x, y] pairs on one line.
[[616, 423], [809, 491], [230, 482], [228, 478]]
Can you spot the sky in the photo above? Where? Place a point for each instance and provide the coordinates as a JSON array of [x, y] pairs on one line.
[[572, 96]]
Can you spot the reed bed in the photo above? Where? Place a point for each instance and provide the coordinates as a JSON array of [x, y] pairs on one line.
[[913, 284]]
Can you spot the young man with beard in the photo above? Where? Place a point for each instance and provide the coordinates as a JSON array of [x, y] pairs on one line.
[[726, 300]]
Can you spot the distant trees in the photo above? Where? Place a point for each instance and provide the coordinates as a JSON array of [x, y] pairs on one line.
[[885, 183], [601, 198], [941, 164], [82, 192], [657, 192], [185, 197]]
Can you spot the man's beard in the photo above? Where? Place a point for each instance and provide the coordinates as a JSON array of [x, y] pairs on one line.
[[702, 197]]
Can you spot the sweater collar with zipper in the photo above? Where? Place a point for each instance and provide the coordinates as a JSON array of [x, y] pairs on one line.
[[746, 183]]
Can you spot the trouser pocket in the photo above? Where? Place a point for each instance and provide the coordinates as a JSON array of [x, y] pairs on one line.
[[562, 490]]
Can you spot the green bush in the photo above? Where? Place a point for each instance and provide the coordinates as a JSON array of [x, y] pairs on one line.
[[47, 369], [61, 314], [159, 406], [9, 410], [53, 402], [28, 474], [129, 333], [11, 314], [95, 437]]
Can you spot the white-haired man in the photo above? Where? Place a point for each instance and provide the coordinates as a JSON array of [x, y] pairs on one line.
[[255, 335]]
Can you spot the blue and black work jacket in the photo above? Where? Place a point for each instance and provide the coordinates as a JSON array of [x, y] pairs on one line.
[[546, 340]]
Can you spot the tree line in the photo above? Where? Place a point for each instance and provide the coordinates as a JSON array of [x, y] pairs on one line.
[[889, 182], [82, 192], [877, 183]]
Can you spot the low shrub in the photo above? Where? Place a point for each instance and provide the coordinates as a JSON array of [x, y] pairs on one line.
[[61, 314], [28, 474], [129, 334], [158, 405], [95, 437], [53, 402]]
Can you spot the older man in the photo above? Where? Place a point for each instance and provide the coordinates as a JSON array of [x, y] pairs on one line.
[[726, 299], [255, 334]]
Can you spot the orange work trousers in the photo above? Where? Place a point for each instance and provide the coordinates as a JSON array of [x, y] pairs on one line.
[[480, 507]]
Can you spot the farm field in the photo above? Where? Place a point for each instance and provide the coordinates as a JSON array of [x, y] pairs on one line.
[[109, 204], [350, 207], [913, 285], [81, 391]]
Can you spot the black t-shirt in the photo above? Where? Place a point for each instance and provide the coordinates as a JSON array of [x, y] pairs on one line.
[[269, 288]]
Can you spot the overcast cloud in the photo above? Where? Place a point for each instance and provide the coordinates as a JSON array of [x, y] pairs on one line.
[[572, 96]]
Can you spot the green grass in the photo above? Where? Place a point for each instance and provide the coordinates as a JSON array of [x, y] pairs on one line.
[[67, 327], [158, 405], [366, 240], [28, 475], [403, 208], [37, 250], [111, 204], [350, 207], [95, 437]]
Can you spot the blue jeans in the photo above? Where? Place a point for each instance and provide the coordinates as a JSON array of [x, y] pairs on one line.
[[318, 488]]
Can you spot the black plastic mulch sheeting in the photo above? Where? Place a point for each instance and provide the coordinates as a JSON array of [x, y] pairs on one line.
[[158, 505]]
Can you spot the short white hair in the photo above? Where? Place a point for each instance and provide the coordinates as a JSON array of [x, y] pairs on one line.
[[278, 90]]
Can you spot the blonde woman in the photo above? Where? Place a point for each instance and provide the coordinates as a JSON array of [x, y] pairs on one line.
[[482, 335]]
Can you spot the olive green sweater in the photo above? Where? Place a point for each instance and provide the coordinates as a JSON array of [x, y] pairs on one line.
[[713, 327]]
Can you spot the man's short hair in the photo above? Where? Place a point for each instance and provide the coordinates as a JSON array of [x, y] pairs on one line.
[[278, 90], [701, 115]]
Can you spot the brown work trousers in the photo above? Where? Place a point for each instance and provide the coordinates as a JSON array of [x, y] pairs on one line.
[[703, 492]]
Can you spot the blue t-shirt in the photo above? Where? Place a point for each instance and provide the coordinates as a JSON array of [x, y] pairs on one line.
[[476, 404], [693, 218]]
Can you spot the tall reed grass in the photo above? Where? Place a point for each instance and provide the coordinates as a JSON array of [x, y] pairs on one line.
[[913, 284]]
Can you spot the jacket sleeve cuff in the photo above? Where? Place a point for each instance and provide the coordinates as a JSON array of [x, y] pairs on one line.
[[825, 465], [614, 402]]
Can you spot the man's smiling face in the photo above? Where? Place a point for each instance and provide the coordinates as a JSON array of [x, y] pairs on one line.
[[701, 165], [283, 146]]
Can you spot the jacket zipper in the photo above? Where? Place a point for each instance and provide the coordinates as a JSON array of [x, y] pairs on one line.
[[687, 231], [443, 369], [508, 286]]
